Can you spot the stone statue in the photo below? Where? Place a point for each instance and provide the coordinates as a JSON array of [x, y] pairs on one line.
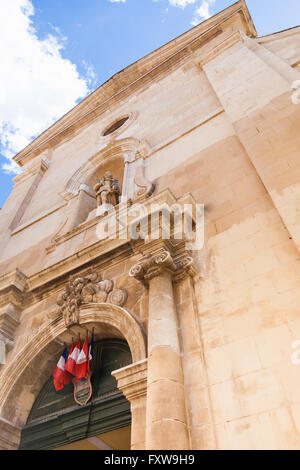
[[107, 190]]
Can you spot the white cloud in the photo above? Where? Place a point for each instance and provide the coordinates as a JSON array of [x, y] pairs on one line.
[[174, 3], [203, 12], [37, 85], [91, 75], [181, 3]]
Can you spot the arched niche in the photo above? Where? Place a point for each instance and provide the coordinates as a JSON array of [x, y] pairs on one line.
[[24, 377], [121, 151], [114, 165], [79, 190]]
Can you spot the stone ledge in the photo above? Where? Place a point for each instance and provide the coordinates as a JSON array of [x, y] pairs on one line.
[[132, 379], [13, 279]]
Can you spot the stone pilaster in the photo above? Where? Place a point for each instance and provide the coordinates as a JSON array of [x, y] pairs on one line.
[[132, 381], [166, 417], [34, 174], [12, 287], [202, 430]]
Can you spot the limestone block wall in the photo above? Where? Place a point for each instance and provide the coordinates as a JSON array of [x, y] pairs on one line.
[[249, 344]]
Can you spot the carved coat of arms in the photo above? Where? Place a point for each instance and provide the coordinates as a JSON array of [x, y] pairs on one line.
[[84, 290], [82, 390]]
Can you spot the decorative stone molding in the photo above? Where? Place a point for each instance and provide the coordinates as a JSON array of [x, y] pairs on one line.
[[125, 148], [39, 167], [36, 174], [87, 290], [14, 280], [132, 379], [92, 251], [111, 137], [221, 45], [152, 265], [44, 346], [9, 320], [12, 287]]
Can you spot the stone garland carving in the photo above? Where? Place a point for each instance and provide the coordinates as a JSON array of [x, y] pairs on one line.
[[85, 290], [151, 265]]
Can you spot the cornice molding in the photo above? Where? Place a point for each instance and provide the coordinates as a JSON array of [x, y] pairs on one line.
[[12, 287], [38, 168], [225, 43], [14, 279], [279, 35], [105, 249]]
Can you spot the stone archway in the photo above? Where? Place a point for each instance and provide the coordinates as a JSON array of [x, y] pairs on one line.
[[25, 375]]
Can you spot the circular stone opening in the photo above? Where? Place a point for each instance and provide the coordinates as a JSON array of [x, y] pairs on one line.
[[115, 126]]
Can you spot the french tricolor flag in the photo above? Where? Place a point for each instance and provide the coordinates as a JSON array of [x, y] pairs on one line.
[[72, 359], [67, 376], [83, 361], [59, 374]]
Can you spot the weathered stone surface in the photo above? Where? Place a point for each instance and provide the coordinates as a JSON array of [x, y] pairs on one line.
[[87, 290]]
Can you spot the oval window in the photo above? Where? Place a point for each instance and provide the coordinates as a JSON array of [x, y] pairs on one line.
[[115, 126]]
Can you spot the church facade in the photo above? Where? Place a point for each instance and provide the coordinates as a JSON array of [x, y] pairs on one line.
[[195, 316]]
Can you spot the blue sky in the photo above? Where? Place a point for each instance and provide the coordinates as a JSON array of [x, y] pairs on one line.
[[64, 49]]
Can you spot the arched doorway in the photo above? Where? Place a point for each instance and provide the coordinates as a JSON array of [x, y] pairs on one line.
[[24, 377], [57, 422]]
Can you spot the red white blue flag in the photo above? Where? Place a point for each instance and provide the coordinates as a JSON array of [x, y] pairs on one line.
[[60, 375], [72, 359], [82, 362], [67, 375]]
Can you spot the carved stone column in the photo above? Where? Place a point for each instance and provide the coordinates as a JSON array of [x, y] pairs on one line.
[[132, 381], [166, 417]]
